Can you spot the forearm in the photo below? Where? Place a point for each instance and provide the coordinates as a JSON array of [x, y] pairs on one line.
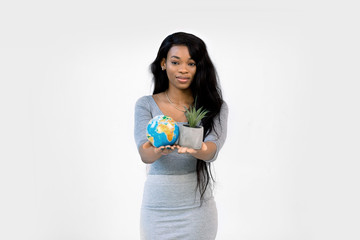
[[148, 153]]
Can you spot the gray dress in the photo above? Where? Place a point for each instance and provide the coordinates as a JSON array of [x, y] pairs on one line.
[[171, 203]]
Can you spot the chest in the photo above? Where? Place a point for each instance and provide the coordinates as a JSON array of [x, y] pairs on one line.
[[171, 111]]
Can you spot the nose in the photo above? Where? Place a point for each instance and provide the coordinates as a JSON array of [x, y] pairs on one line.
[[183, 68]]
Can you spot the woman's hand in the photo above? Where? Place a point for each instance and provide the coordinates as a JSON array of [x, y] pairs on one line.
[[207, 151], [191, 150], [163, 150]]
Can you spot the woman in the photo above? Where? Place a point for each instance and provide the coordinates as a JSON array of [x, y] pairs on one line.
[[178, 202]]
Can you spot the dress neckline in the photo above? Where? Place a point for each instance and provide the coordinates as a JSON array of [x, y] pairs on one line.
[[157, 106]]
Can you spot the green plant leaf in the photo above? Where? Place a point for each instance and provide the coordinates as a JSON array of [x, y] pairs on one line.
[[193, 115]]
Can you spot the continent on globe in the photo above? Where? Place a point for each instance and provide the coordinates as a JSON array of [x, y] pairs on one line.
[[162, 130]]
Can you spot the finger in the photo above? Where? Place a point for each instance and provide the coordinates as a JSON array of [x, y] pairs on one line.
[[179, 149], [191, 151], [166, 151], [159, 149], [182, 150]]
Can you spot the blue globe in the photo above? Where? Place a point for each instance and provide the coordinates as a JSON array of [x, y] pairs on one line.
[[162, 130]]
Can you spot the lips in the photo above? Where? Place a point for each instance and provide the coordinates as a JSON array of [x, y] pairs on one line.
[[182, 79]]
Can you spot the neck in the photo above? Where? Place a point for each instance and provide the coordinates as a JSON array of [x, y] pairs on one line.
[[180, 97]]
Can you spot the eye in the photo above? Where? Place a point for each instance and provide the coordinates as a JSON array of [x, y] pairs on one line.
[[192, 64], [174, 63]]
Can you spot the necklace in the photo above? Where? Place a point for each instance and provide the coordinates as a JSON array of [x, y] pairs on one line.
[[173, 103]]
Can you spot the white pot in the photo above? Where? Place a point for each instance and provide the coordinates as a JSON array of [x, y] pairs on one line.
[[191, 137]]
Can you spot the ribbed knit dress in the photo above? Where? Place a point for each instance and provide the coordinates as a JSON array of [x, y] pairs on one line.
[[171, 202]]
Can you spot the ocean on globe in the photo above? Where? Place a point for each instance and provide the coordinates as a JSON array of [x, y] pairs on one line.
[[162, 130]]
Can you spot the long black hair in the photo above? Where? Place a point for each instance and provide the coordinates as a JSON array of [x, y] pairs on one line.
[[205, 88]]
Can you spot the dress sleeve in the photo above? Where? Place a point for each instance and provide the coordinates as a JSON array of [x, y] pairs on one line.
[[142, 116], [219, 135]]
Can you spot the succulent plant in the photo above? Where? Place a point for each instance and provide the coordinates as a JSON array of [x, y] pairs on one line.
[[194, 116]]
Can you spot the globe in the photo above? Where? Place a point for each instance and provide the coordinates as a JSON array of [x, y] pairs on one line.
[[162, 130]]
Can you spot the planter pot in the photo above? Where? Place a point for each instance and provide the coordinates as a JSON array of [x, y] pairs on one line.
[[191, 137]]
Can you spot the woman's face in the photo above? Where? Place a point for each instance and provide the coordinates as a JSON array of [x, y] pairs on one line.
[[180, 68]]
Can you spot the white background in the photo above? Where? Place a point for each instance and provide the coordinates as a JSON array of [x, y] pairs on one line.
[[71, 72]]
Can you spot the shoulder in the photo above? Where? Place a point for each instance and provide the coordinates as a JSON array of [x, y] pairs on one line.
[[159, 97], [143, 101], [224, 112], [224, 105], [224, 108]]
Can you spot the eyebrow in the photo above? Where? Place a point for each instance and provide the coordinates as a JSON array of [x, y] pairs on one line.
[[179, 58]]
